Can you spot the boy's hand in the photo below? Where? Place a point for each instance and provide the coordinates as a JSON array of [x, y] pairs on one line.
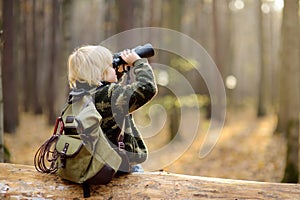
[[129, 56]]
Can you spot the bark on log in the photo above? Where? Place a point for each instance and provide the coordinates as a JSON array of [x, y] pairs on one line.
[[24, 182]]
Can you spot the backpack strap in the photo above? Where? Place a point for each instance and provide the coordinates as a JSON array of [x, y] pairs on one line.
[[77, 94], [86, 190]]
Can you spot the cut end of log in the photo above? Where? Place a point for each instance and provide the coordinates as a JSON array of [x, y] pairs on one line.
[[24, 182]]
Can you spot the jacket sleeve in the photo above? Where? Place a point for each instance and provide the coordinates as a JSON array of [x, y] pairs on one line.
[[127, 98]]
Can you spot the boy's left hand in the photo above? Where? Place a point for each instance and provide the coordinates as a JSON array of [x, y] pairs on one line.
[[129, 56]]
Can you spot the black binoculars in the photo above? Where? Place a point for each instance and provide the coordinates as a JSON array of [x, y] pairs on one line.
[[144, 51]]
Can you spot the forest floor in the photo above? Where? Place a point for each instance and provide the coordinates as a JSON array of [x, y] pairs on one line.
[[247, 148]]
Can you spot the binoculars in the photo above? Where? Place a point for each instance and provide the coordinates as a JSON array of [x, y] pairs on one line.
[[144, 51]]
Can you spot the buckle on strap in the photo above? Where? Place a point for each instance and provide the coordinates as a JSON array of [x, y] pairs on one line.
[[121, 145], [63, 155]]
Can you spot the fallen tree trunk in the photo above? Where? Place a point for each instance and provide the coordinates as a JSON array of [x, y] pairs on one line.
[[24, 182]]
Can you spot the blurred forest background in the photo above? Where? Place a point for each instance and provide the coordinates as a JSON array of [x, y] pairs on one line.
[[254, 43]]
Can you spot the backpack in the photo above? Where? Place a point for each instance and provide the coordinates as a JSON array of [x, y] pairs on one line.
[[78, 150]]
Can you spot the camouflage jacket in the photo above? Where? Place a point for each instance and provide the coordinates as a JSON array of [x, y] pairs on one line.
[[116, 101]]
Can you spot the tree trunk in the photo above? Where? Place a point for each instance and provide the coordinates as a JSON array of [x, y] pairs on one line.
[[126, 16], [67, 6], [50, 93], [208, 42], [23, 182], [36, 48], [1, 105], [26, 70], [10, 99], [221, 43], [262, 89], [172, 19], [289, 92]]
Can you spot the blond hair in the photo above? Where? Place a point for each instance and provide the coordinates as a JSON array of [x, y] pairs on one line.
[[89, 64]]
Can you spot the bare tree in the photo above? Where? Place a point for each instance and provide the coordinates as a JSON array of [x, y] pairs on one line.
[[126, 16], [221, 43], [36, 104], [10, 99], [109, 18], [26, 70], [1, 105], [262, 90], [288, 123], [51, 91]]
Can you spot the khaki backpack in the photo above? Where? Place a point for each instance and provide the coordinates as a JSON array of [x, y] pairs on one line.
[[79, 151]]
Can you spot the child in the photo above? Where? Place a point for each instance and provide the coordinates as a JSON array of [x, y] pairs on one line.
[[115, 99]]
